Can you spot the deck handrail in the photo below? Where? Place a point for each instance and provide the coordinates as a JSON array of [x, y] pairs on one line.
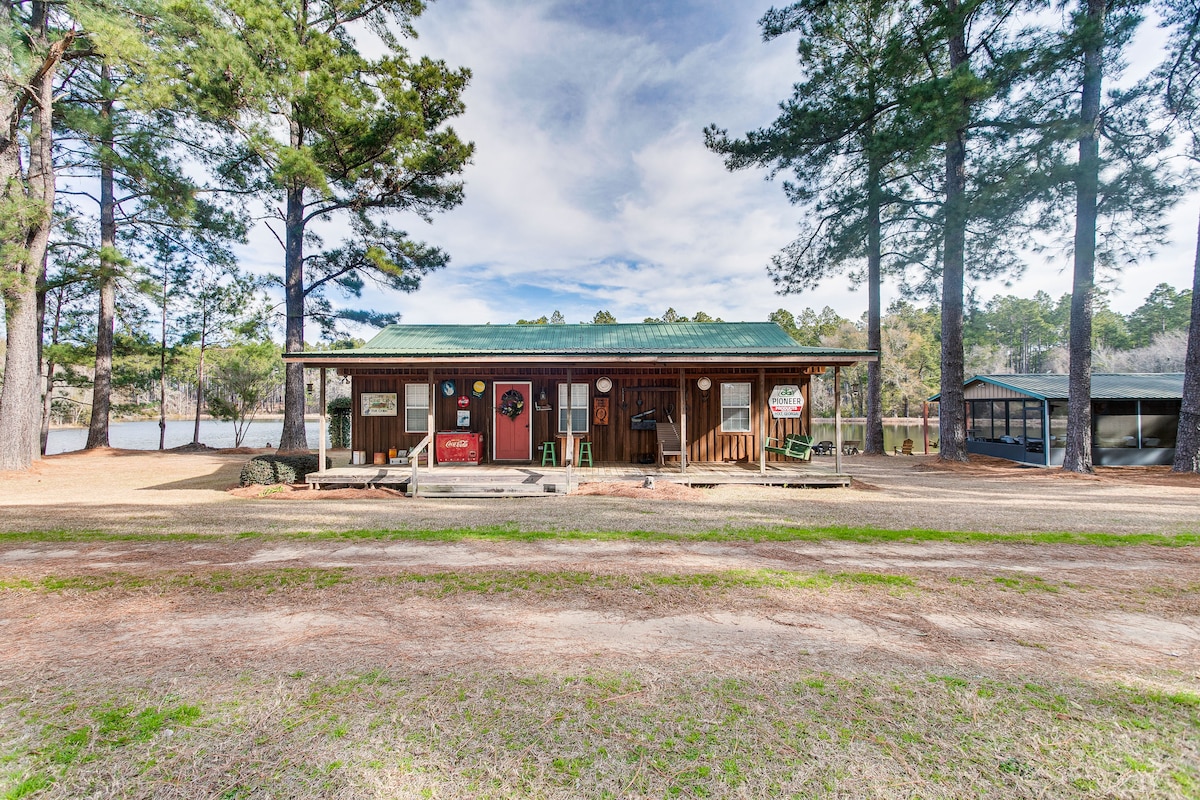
[[414, 459]]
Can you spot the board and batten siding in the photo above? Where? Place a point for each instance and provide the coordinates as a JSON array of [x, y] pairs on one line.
[[634, 391], [989, 391]]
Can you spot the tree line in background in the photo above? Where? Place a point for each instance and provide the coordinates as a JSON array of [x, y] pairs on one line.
[[1008, 334], [936, 142], [141, 140]]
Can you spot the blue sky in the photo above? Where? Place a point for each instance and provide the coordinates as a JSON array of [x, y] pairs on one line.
[[591, 187]]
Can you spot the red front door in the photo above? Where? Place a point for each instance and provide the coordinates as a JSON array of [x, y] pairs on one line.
[[512, 437]]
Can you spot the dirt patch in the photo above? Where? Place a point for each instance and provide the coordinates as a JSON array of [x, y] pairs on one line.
[[302, 491], [662, 490]]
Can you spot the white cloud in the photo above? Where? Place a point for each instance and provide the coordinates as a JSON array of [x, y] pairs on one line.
[[591, 187]]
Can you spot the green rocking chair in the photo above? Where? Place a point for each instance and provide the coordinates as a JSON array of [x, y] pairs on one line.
[[794, 445]]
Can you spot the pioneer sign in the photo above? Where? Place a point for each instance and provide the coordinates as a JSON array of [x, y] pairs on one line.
[[786, 402]]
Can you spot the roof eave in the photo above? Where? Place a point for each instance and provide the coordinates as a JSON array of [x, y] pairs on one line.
[[346, 359]]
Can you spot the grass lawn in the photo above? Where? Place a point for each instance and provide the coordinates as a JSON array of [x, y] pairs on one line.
[[434, 682]]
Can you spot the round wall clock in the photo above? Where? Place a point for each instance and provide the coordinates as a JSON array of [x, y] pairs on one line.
[[704, 384], [603, 384]]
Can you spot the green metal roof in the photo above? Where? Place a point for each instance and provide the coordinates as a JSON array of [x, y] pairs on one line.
[[1105, 386], [657, 339]]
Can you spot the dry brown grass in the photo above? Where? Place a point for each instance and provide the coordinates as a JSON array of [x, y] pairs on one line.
[[189, 660]]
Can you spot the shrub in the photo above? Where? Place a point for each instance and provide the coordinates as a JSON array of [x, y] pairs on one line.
[[280, 469]]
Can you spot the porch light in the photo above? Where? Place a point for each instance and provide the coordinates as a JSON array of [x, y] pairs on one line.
[[309, 387], [541, 401]]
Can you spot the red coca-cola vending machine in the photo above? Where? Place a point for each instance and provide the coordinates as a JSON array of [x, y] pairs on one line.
[[453, 447]]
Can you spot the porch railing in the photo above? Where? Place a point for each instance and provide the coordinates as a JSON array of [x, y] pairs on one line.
[[414, 460]]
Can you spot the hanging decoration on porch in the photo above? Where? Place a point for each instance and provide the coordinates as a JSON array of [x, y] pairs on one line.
[[464, 401], [477, 388], [512, 403], [448, 388], [786, 402]]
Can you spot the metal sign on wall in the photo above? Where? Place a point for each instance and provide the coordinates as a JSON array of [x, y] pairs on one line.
[[786, 402]]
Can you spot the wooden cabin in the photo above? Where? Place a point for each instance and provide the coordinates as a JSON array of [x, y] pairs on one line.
[[517, 394]]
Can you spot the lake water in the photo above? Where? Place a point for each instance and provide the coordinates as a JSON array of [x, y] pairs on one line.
[[893, 434], [143, 435]]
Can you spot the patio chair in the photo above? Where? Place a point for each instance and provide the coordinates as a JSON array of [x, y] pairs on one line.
[[905, 448], [794, 445]]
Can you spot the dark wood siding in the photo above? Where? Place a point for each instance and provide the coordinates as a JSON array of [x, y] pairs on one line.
[[634, 391]]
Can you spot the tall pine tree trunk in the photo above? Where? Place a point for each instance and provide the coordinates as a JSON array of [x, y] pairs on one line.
[[294, 436], [873, 441], [1187, 446], [952, 409], [26, 205], [1078, 455], [102, 380]]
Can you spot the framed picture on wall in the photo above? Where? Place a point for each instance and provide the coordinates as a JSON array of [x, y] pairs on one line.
[[378, 404]]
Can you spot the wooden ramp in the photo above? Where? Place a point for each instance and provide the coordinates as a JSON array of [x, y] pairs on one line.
[[447, 481], [503, 481]]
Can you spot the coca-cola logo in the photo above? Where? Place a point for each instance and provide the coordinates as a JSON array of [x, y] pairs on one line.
[[456, 443]]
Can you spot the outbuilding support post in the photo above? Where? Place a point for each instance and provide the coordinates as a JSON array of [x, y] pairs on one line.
[[837, 420], [1046, 440], [322, 428]]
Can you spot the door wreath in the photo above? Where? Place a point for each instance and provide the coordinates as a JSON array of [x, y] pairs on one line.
[[512, 403]]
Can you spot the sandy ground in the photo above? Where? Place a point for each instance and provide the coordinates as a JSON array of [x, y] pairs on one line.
[[1128, 613], [136, 491]]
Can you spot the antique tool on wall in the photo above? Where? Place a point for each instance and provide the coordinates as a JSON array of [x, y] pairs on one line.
[[644, 421]]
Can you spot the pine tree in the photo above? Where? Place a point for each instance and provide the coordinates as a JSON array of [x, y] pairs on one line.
[[1119, 182], [839, 134], [1181, 74], [36, 39], [331, 131]]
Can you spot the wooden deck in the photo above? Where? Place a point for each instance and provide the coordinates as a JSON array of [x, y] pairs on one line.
[[490, 480]]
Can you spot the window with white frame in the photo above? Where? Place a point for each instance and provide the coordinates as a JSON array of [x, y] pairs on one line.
[[579, 408], [735, 408], [416, 408]]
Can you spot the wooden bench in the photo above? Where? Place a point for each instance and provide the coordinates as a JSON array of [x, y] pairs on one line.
[[669, 444], [794, 445]]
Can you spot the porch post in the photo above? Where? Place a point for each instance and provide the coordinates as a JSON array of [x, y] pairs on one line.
[[569, 450], [322, 427], [431, 420], [683, 438], [837, 420], [762, 421]]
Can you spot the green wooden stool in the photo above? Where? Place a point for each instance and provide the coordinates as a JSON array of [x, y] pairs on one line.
[[585, 452], [549, 454]]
